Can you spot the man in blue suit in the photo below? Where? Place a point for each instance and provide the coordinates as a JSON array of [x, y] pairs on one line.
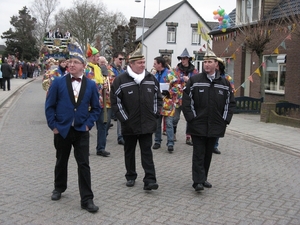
[[72, 106]]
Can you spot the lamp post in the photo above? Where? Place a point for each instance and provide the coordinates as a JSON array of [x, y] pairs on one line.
[[143, 22]]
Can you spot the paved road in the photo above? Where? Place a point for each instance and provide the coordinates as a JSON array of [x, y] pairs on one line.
[[255, 180]]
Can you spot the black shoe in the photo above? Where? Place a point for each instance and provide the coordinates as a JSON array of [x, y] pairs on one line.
[[111, 125], [199, 187], [207, 184], [170, 148], [121, 142], [103, 153], [150, 186], [216, 151], [156, 146], [90, 206], [130, 183], [55, 195]]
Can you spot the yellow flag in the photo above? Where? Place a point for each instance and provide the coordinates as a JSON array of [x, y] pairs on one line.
[[276, 51], [233, 56], [199, 27], [257, 71]]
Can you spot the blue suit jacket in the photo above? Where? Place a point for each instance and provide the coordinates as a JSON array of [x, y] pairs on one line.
[[61, 109]]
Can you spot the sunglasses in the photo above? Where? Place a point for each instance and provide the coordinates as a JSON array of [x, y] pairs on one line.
[[121, 59]]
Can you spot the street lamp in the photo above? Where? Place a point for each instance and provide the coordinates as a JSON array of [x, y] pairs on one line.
[[143, 22]]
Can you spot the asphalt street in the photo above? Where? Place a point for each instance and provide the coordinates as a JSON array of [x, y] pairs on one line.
[[255, 180]]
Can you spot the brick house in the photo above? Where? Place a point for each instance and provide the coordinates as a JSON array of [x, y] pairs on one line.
[[280, 63]]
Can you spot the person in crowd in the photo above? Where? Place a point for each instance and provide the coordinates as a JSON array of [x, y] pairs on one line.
[[138, 121], [30, 70], [7, 73], [208, 104], [49, 34], [102, 61], [24, 70], [93, 72], [164, 76], [221, 68], [184, 70], [50, 75], [67, 35], [115, 69], [71, 127], [168, 62], [16, 66], [20, 72], [1, 85], [58, 34]]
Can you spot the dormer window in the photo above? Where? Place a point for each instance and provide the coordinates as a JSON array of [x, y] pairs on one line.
[[247, 11]]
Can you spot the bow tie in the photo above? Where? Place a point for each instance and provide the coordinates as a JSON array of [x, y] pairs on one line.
[[77, 79]]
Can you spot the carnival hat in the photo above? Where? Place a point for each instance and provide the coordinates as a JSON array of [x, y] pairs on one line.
[[137, 54], [75, 50], [210, 54], [91, 51], [185, 53], [220, 60]]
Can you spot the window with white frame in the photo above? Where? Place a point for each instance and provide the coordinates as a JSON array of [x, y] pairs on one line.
[[248, 11], [275, 71], [171, 38], [171, 32], [195, 36]]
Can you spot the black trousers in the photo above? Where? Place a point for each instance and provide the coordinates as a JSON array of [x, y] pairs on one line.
[[202, 153], [4, 80], [80, 141], [145, 142]]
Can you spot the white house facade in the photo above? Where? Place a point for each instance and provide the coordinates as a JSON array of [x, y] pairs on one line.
[[171, 31]]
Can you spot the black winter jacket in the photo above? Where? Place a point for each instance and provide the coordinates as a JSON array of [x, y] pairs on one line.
[[136, 106], [6, 70], [207, 105]]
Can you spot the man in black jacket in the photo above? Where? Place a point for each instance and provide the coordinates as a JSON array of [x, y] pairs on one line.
[[207, 105], [136, 100], [6, 70]]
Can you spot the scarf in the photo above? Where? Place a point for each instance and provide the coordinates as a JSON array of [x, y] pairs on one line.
[[137, 77], [97, 73]]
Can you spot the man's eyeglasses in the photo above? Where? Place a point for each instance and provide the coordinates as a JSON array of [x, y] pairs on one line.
[[121, 59]]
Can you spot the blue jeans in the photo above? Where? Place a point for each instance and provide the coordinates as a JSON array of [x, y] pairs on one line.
[[169, 130], [176, 117], [102, 129], [24, 76]]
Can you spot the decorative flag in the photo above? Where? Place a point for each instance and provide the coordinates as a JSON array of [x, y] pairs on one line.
[[243, 85], [263, 64], [283, 44], [270, 59], [276, 51], [250, 78], [289, 37], [202, 32], [233, 56], [258, 72], [290, 27], [228, 60], [199, 27]]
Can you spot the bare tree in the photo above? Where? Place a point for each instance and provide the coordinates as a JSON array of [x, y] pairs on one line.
[[262, 36], [43, 10]]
